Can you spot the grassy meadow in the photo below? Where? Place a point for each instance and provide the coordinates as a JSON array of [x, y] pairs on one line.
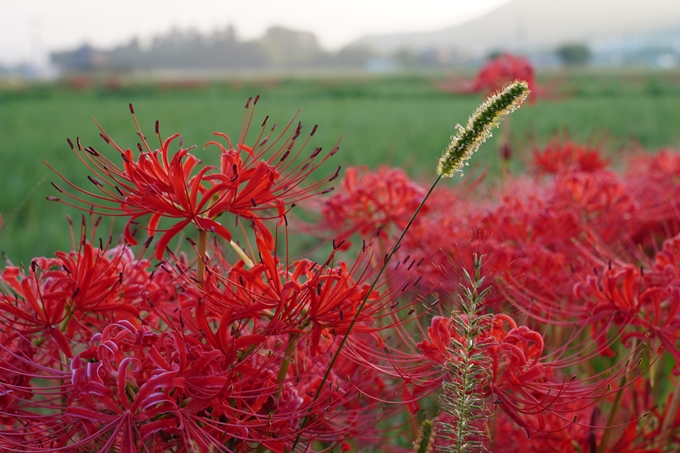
[[397, 120]]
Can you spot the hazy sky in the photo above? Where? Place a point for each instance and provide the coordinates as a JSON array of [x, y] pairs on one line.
[[31, 28]]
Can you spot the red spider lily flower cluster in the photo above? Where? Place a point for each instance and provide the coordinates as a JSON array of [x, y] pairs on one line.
[[653, 181], [589, 259], [493, 75], [502, 70], [521, 380], [558, 156], [369, 203], [249, 180], [103, 350], [579, 438]]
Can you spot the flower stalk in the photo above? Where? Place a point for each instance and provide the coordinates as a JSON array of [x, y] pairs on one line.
[[602, 448], [285, 364], [202, 251]]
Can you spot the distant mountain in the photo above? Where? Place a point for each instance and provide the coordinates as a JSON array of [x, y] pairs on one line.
[[539, 24]]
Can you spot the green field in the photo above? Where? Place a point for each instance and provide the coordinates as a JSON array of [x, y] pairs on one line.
[[398, 120]]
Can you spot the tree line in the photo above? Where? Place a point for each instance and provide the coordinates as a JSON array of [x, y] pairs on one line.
[[221, 49]]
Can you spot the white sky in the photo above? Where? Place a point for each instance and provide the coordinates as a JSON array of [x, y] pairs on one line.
[[29, 29]]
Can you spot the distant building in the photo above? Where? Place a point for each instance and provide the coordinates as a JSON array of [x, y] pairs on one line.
[[85, 58], [660, 49]]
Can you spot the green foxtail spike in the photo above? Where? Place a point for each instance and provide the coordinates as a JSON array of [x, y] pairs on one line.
[[479, 127]]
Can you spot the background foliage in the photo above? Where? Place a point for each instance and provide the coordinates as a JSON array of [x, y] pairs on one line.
[[395, 120]]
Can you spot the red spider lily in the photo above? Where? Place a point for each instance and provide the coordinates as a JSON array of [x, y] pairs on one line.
[[531, 239], [368, 203], [500, 71], [95, 279], [604, 205], [520, 378], [494, 75], [559, 156], [382, 202], [31, 308], [249, 180], [637, 436], [537, 231], [650, 298], [378, 205], [631, 441], [597, 202], [651, 181], [606, 288], [100, 351], [308, 297], [68, 294], [507, 436], [316, 303], [136, 390], [531, 229], [581, 437], [16, 354]]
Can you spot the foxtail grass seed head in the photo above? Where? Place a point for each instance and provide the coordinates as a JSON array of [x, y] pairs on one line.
[[479, 127], [461, 397]]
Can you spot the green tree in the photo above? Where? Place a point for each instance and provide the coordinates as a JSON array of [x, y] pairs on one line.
[[573, 54]]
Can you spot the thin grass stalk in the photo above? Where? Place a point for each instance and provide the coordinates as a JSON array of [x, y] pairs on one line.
[[463, 145], [361, 306]]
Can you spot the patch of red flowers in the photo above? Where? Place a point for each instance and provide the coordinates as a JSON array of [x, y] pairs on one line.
[[586, 259], [493, 75], [225, 344], [103, 349], [503, 69]]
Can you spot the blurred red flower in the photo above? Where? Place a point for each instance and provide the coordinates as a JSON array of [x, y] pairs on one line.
[[500, 71]]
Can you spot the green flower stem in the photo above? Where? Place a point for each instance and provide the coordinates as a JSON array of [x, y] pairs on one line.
[[62, 327], [280, 377], [202, 249], [69, 313], [602, 448], [285, 364]]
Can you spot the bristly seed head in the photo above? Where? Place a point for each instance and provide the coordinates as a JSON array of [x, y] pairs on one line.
[[479, 127]]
